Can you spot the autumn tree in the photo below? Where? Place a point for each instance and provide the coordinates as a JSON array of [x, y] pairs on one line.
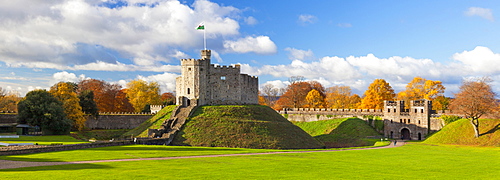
[[108, 97], [295, 94], [8, 100], [65, 92], [378, 92], [475, 99], [341, 97], [315, 99], [40, 108], [141, 93], [420, 88], [441, 103], [168, 98]]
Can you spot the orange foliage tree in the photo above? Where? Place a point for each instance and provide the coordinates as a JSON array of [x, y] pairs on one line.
[[295, 94], [108, 97], [341, 97], [8, 101], [168, 98], [378, 92], [315, 99], [475, 99], [420, 88], [65, 92]]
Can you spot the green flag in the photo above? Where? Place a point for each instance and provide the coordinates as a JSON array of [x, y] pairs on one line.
[[201, 26]]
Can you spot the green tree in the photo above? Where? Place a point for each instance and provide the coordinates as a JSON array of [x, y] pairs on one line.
[[65, 92], [88, 104], [40, 108]]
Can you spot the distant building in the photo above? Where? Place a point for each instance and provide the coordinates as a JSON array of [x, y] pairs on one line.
[[414, 123], [202, 83]]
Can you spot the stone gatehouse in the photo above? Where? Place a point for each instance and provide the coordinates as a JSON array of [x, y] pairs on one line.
[[203, 83], [414, 123]]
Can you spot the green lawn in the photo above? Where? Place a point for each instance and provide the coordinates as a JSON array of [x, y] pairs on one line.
[[44, 140], [412, 161]]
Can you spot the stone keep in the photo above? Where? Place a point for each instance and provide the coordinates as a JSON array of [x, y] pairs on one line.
[[202, 83]]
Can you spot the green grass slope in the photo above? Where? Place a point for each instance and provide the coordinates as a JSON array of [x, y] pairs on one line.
[[461, 133], [152, 123], [347, 132], [243, 126]]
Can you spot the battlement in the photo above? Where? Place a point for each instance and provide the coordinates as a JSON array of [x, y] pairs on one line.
[[217, 67]]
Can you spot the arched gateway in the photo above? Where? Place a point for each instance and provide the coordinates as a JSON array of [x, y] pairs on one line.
[[405, 133]]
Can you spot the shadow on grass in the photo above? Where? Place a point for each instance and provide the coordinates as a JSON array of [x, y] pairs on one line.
[[28, 159], [493, 130], [59, 168], [160, 148]]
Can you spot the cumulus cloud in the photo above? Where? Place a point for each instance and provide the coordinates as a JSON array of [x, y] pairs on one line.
[[165, 80], [305, 19], [297, 54], [480, 60], [250, 20], [61, 34], [64, 76], [481, 12], [258, 45]]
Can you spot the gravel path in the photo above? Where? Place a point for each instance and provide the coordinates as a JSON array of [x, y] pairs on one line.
[[6, 164]]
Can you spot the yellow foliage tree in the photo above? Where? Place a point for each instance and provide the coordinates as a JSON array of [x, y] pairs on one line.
[[141, 93], [378, 92], [341, 97], [314, 99], [65, 92], [420, 88]]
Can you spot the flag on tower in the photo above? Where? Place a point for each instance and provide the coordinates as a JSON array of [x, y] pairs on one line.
[[201, 26]]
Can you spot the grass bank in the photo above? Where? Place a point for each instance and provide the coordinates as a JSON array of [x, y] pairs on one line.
[[346, 132], [461, 133], [152, 123]]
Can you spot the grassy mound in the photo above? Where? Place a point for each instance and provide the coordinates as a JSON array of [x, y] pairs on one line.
[[461, 133], [248, 126], [152, 123], [347, 132]]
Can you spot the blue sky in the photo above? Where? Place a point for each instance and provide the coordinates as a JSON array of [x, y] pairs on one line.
[[333, 42]]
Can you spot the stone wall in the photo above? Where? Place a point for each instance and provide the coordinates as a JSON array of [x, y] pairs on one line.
[[8, 118], [105, 121], [116, 121]]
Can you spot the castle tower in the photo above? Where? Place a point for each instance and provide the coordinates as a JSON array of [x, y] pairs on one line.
[[191, 85]]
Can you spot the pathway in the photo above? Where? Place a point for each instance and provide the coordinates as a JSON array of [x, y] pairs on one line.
[[6, 164]]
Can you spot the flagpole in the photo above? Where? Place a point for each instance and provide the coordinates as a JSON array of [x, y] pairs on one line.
[[204, 39]]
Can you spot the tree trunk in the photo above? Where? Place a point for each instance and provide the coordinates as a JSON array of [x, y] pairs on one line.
[[475, 125]]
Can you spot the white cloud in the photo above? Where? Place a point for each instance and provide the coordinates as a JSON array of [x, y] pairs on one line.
[[305, 19], [251, 20], [66, 77], [481, 60], [297, 54], [66, 33], [481, 12], [258, 45], [165, 80]]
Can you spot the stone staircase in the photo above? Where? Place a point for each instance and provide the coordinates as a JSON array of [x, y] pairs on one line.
[[170, 127]]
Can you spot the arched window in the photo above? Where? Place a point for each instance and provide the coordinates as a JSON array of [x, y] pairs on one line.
[[189, 91], [408, 120]]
